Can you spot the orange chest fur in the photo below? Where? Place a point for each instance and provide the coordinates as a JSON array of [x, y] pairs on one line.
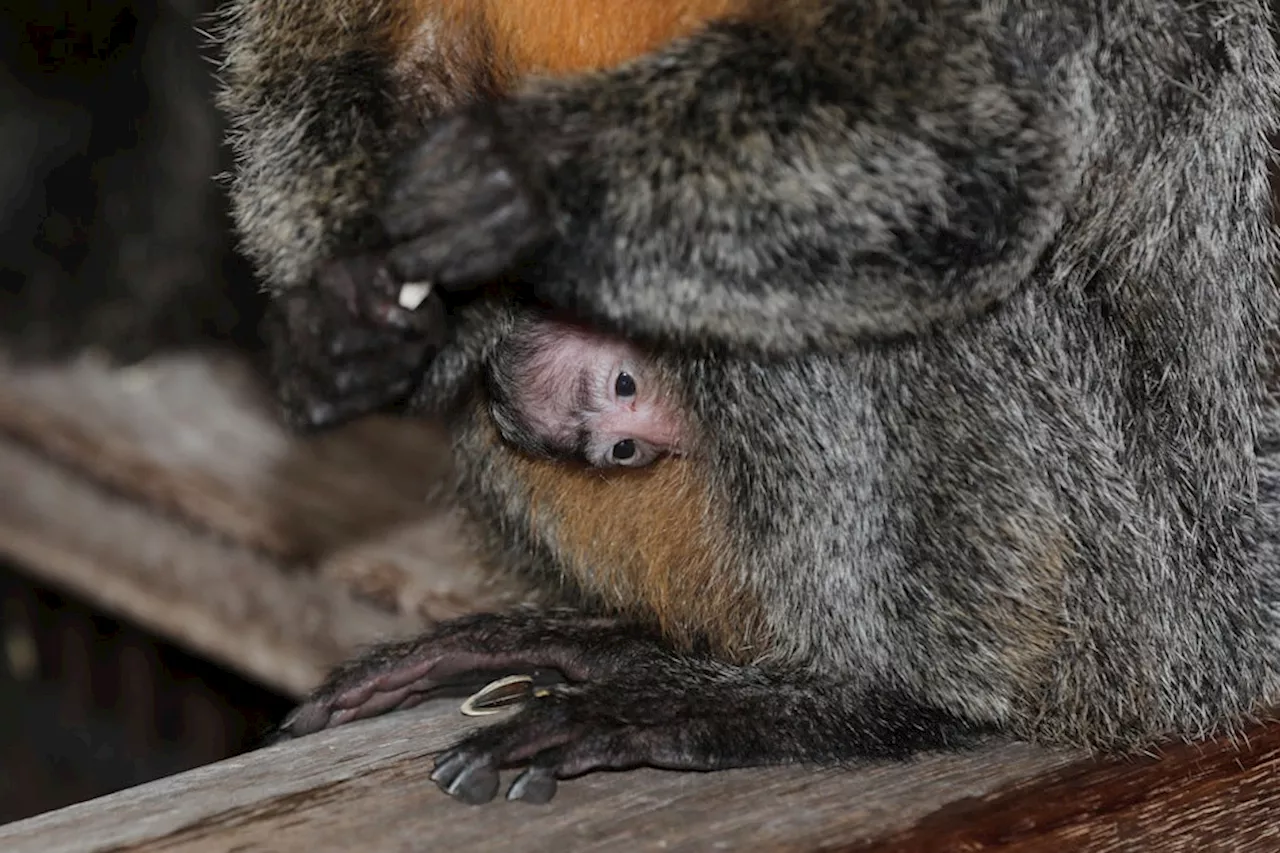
[[564, 36], [568, 36]]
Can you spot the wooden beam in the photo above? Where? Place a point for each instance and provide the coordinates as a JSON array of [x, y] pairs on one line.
[[366, 787], [167, 493]]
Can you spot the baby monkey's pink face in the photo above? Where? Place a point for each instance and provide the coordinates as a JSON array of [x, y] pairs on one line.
[[595, 398]]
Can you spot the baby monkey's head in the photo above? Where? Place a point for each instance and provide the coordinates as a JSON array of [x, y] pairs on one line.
[[565, 392]]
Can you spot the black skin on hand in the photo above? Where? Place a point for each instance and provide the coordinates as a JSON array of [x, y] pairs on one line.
[[344, 347], [467, 205], [606, 714], [462, 209]]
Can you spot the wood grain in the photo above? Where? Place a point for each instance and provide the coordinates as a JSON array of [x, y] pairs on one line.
[[365, 787], [168, 493], [195, 436], [1221, 795], [225, 601]]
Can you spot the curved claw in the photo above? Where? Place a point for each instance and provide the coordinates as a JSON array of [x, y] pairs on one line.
[[537, 785], [466, 776]]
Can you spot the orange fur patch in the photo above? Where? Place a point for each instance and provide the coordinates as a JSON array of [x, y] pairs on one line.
[[566, 36], [650, 543], [558, 36]]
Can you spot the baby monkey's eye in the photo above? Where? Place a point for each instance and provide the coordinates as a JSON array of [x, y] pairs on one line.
[[624, 450], [624, 386]]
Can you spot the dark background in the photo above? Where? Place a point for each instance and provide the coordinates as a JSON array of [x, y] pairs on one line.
[[89, 705], [113, 231], [113, 237]]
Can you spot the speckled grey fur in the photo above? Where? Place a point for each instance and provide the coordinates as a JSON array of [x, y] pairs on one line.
[[969, 299]]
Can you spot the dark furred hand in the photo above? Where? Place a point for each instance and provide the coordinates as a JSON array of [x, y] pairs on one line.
[[344, 347], [465, 207], [607, 716]]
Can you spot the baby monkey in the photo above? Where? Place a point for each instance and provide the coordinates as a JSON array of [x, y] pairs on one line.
[[565, 392]]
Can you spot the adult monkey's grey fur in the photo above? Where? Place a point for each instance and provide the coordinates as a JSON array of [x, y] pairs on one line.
[[969, 299]]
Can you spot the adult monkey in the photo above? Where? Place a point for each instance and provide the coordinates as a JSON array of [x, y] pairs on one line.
[[966, 302]]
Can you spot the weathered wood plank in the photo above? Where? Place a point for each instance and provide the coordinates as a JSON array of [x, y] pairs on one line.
[[196, 436], [365, 787], [216, 597], [1222, 795], [169, 494]]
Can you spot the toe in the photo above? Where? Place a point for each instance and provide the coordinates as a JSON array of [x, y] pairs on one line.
[[468, 777], [536, 785], [306, 719]]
